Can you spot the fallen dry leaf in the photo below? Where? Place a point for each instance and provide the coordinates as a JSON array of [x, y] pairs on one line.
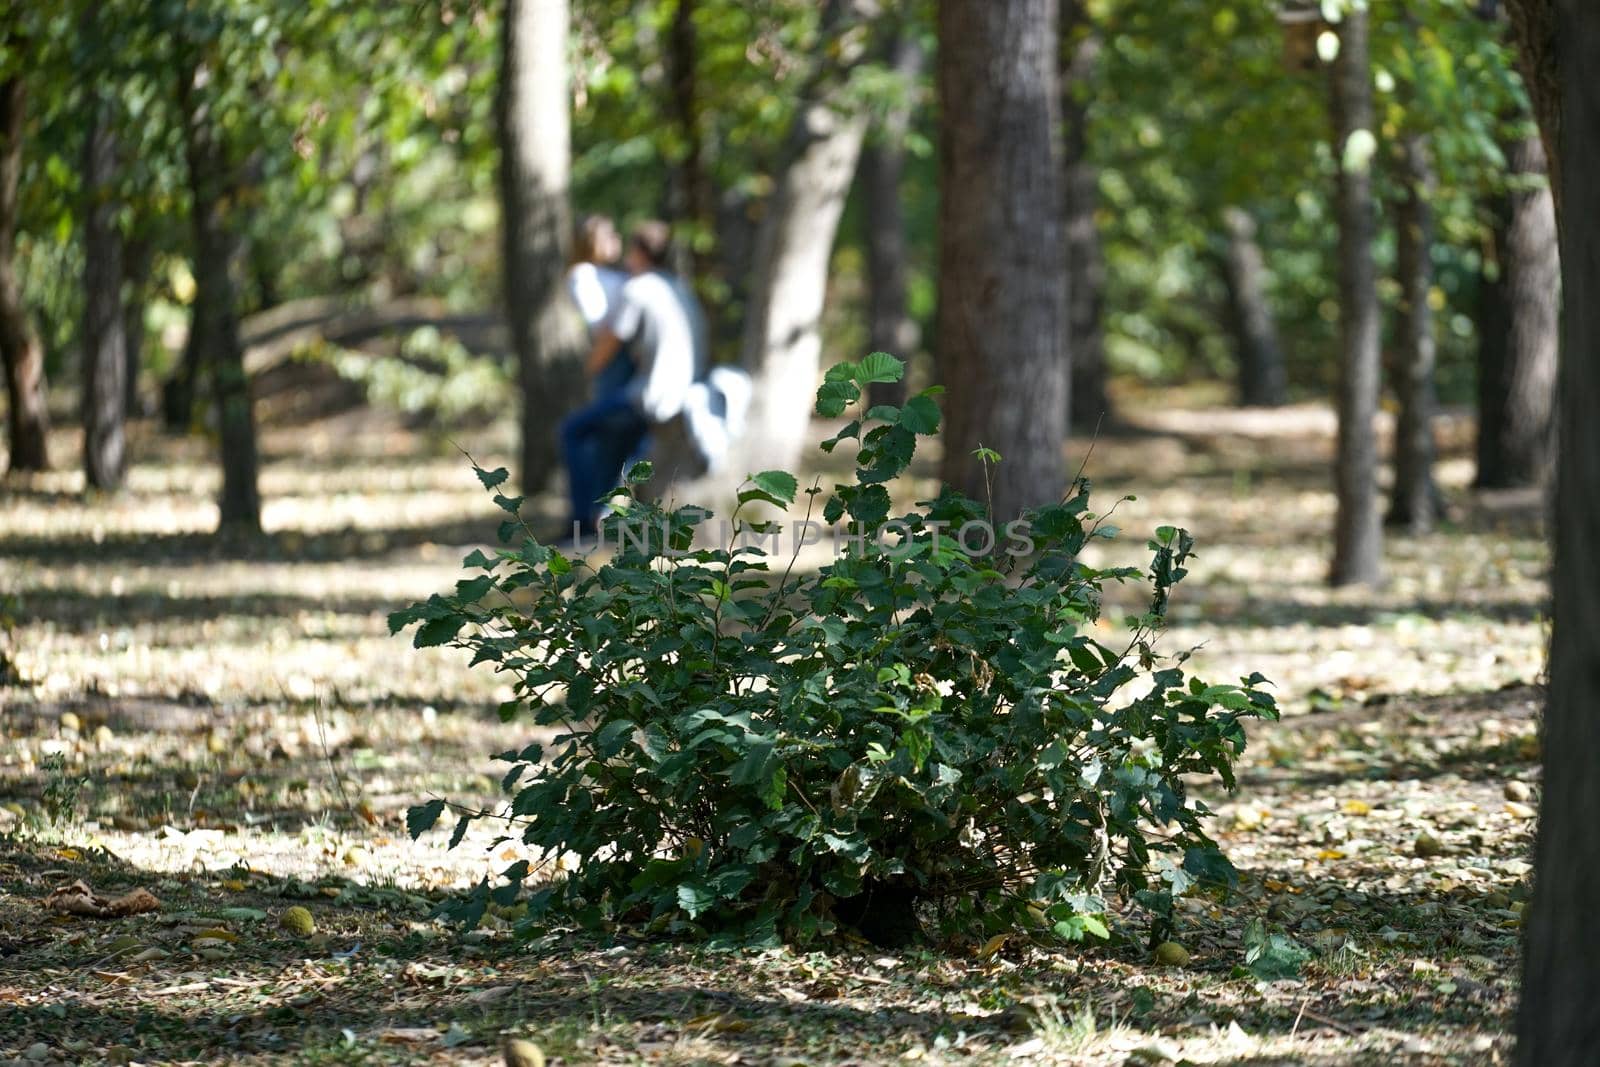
[[79, 899]]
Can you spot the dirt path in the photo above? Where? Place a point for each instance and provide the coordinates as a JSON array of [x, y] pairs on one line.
[[232, 728]]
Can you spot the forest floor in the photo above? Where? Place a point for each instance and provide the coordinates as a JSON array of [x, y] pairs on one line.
[[231, 728]]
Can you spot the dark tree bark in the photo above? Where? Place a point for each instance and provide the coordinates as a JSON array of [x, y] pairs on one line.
[[534, 116], [1255, 332], [105, 361], [1490, 324], [1519, 333], [782, 345], [27, 419], [1002, 320], [178, 391], [137, 258], [691, 193], [1358, 535], [890, 327], [214, 327], [1086, 269], [1557, 1025], [1415, 502]]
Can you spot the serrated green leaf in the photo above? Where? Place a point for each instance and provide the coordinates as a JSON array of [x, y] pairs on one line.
[[920, 415], [834, 397], [421, 817], [879, 367], [780, 484]]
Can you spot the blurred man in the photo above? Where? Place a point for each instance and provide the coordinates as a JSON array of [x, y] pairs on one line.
[[659, 321]]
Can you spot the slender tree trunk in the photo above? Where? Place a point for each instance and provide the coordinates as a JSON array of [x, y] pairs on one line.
[[1519, 337], [782, 345], [889, 324], [105, 361], [1491, 324], [1358, 535], [534, 115], [1557, 1025], [1002, 321], [1415, 502], [692, 186], [27, 419], [178, 391], [1262, 381], [1086, 269], [137, 257], [214, 326]]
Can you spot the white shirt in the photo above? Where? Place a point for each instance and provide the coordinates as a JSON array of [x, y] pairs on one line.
[[661, 322], [596, 290]]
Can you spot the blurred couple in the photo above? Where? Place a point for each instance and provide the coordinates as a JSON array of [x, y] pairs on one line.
[[648, 363]]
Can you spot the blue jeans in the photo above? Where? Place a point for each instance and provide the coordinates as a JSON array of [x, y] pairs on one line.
[[597, 440]]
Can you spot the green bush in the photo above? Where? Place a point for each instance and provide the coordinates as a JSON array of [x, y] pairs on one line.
[[913, 730]]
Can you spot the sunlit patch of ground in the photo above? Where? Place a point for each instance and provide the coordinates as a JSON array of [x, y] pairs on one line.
[[232, 727]]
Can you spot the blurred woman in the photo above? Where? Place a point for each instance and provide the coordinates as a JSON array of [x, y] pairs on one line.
[[594, 282], [599, 438]]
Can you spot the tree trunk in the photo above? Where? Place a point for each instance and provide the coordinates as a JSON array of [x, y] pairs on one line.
[[1519, 337], [178, 391], [137, 257], [1086, 269], [1358, 535], [1533, 29], [1492, 325], [691, 185], [782, 344], [28, 419], [1557, 1025], [535, 158], [889, 324], [1002, 319], [105, 361], [1415, 502], [214, 325], [1262, 381]]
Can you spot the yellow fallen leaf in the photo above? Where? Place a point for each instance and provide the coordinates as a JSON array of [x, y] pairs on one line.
[[1330, 854], [992, 946], [217, 933], [1356, 807]]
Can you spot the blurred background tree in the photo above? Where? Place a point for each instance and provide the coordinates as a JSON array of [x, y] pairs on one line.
[[279, 190]]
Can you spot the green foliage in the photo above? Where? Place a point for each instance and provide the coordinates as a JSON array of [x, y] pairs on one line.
[[747, 748], [62, 789], [1269, 956], [433, 377]]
